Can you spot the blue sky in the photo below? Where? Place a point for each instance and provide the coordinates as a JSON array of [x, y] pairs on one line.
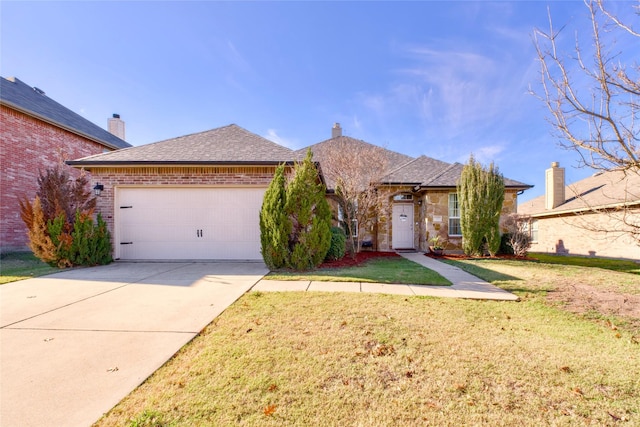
[[443, 79]]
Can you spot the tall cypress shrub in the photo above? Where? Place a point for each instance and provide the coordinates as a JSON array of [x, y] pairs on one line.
[[310, 216], [274, 224], [480, 194]]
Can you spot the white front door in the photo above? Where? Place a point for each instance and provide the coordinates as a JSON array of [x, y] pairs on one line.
[[402, 224]]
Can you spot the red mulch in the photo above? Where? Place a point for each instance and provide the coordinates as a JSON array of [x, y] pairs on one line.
[[361, 257]]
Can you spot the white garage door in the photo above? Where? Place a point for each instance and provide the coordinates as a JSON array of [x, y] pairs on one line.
[[188, 223]]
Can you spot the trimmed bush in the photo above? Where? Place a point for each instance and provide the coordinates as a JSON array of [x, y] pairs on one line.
[[337, 248]]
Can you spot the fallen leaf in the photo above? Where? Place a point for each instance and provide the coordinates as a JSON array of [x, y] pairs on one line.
[[577, 391], [249, 330], [273, 387], [48, 339], [614, 416], [565, 369], [269, 410], [114, 369]]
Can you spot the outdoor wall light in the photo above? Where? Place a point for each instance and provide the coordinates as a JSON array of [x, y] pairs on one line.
[[98, 189]]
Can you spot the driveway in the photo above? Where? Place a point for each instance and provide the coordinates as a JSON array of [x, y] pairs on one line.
[[73, 344]]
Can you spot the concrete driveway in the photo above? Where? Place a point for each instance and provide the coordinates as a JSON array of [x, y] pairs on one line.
[[73, 344]]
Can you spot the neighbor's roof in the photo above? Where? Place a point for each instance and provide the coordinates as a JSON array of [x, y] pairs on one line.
[[600, 191], [34, 102], [225, 145]]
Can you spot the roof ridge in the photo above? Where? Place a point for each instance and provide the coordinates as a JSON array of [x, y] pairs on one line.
[[404, 165], [442, 172]]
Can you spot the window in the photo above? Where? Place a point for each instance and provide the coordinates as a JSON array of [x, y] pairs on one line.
[[534, 231], [454, 215], [403, 197]]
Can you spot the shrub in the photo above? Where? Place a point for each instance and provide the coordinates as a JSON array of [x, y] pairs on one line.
[[308, 210], [337, 248], [480, 195], [517, 235], [62, 232], [274, 224]]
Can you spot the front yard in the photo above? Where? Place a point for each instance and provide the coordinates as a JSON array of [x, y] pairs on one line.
[[303, 359]]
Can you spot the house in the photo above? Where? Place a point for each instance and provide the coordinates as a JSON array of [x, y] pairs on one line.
[[596, 216], [419, 197], [198, 196], [37, 133]]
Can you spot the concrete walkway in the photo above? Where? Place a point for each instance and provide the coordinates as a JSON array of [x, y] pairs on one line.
[[464, 285]]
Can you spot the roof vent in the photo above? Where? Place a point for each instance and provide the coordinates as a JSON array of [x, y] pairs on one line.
[[38, 90], [116, 116]]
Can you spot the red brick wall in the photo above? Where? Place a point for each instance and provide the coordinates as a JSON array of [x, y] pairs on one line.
[[28, 146], [112, 178]]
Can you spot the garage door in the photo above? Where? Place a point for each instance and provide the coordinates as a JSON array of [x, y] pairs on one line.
[[188, 223]]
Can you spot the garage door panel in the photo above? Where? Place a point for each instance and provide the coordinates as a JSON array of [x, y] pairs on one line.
[[189, 223]]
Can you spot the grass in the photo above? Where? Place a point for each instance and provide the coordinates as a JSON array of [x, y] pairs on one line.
[[380, 270], [16, 266], [299, 359], [624, 266]]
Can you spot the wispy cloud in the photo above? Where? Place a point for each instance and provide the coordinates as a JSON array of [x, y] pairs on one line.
[[272, 135]]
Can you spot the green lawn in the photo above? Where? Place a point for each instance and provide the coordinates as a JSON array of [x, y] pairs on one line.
[[606, 263], [380, 270], [311, 359], [16, 266]]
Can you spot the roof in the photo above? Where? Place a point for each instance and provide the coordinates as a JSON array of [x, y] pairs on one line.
[[34, 102], [224, 145], [322, 149], [602, 190], [427, 172]]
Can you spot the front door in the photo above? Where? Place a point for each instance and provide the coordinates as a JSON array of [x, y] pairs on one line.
[[402, 223]]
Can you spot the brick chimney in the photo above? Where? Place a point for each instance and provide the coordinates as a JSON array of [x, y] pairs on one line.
[[116, 126], [554, 186], [336, 130]]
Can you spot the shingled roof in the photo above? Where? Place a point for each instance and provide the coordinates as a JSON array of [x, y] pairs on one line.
[[225, 145], [34, 102], [600, 191]]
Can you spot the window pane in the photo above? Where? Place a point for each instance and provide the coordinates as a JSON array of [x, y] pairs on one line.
[[454, 210], [454, 227]]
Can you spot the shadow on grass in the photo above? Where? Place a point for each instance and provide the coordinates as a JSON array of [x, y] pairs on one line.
[[481, 272]]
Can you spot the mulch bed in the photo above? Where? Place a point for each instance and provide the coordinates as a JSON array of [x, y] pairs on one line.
[[360, 258]]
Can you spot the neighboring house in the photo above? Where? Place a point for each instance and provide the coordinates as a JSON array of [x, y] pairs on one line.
[[37, 133], [199, 196], [593, 217]]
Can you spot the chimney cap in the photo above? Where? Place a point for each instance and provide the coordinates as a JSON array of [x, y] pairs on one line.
[[555, 164], [116, 116]]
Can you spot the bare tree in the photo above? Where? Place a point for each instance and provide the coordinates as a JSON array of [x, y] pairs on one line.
[[352, 168], [594, 97]]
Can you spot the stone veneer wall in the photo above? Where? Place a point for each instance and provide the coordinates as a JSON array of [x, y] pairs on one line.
[[428, 206]]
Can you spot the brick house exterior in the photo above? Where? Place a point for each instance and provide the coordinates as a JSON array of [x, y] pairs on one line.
[[418, 193], [37, 133], [597, 216]]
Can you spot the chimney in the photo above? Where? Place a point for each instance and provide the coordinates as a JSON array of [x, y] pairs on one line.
[[336, 131], [554, 186], [116, 126]]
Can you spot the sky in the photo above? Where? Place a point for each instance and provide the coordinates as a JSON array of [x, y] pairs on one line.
[[445, 79]]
